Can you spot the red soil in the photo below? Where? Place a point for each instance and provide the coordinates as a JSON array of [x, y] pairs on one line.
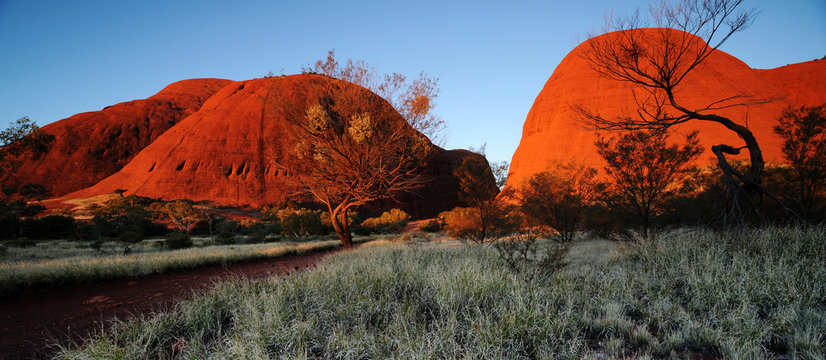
[[93, 145], [553, 130], [31, 324]]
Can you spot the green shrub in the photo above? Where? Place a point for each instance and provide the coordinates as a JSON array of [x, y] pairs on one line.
[[257, 238], [431, 226], [226, 238], [389, 222], [49, 227], [176, 240], [21, 242], [300, 222]]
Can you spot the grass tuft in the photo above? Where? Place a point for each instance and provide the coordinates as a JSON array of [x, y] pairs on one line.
[[692, 294]]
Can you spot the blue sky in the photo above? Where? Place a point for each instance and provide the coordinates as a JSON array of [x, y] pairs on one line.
[[60, 58]]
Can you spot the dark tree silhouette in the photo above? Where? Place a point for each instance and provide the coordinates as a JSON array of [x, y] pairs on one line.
[[804, 146], [22, 139], [646, 172], [478, 188], [656, 61], [558, 197]]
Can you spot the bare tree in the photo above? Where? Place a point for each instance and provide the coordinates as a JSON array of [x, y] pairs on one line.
[[658, 60], [413, 99], [351, 148], [646, 171]]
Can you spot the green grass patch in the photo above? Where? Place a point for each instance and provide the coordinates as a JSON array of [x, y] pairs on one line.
[[756, 294]]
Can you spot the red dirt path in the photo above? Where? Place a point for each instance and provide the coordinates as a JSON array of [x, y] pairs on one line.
[[31, 324]]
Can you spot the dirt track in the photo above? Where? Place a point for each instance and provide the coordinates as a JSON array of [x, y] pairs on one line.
[[40, 318]]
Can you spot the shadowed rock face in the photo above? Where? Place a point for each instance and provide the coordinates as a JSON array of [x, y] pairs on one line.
[[93, 145], [553, 129], [222, 153]]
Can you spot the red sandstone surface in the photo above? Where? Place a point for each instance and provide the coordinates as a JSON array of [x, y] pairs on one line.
[[222, 153], [553, 129], [93, 145]]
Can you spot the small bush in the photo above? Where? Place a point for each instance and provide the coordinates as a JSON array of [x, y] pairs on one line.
[[257, 238], [177, 240], [49, 227], [300, 222], [412, 238], [96, 245], [226, 238], [389, 222], [524, 252], [230, 226], [430, 226], [130, 237], [3, 250], [462, 223], [360, 230], [21, 242]]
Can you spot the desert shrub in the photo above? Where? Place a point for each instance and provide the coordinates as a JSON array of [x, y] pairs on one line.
[[129, 238], [559, 197], [601, 222], [12, 214], [461, 222], [21, 242], [249, 227], [389, 221], [257, 237], [124, 214], [231, 226], [412, 238], [466, 223], [360, 230], [526, 253], [300, 222], [86, 231], [49, 227], [225, 238], [176, 240], [430, 226], [96, 245]]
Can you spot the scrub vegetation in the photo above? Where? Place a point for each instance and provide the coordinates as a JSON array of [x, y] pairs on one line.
[[689, 294]]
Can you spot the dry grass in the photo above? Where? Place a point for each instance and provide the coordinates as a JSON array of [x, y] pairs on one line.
[[757, 294]]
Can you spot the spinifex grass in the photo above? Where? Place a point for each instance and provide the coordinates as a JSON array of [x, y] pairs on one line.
[[16, 276], [758, 294]]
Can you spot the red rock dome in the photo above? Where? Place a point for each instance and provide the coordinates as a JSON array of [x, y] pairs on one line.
[[553, 130], [93, 145], [222, 153]]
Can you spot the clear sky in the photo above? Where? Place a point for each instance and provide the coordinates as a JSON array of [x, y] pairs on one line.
[[60, 58]]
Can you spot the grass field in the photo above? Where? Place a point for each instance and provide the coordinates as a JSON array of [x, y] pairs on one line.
[[692, 294], [60, 262]]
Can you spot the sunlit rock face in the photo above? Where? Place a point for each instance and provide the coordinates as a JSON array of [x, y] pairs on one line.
[[554, 130], [223, 153], [93, 145]]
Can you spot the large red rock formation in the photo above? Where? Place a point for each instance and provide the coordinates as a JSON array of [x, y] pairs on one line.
[[93, 145], [223, 153], [553, 129]]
